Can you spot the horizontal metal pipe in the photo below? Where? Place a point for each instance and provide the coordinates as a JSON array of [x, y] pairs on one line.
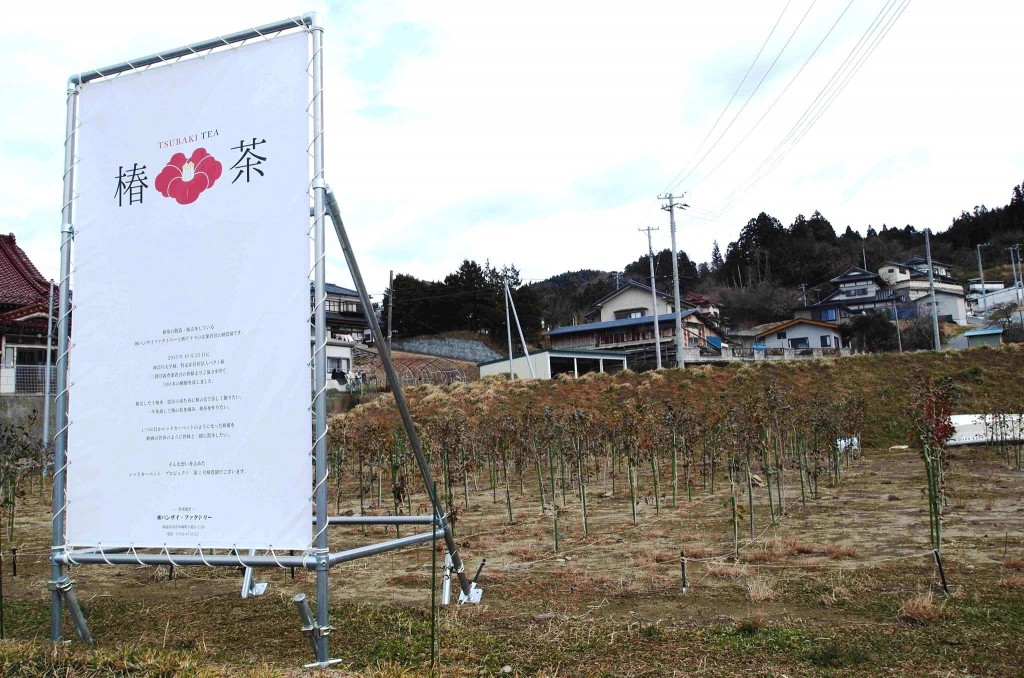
[[383, 547], [380, 520], [222, 41], [218, 560]]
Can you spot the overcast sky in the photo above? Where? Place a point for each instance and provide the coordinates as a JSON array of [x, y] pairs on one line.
[[541, 133]]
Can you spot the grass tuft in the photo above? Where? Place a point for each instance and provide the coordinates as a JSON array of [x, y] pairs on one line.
[[923, 609], [761, 589]]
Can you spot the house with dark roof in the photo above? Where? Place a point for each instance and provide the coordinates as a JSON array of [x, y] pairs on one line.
[[897, 287], [347, 326], [635, 337], [24, 301]]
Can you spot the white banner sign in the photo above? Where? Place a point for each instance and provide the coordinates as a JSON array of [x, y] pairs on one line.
[[190, 381]]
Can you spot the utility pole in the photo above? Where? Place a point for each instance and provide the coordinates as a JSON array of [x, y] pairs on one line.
[[671, 209], [896, 315], [1016, 283], [618, 279], [391, 305], [654, 297], [508, 324], [864, 256], [803, 294], [931, 286], [981, 274]]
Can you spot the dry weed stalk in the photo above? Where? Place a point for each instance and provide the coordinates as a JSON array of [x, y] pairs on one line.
[[761, 589]]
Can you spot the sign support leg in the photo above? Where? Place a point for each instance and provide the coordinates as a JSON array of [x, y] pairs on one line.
[[400, 402], [60, 443], [319, 356]]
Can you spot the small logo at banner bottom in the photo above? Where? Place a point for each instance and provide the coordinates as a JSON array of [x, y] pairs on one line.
[[185, 179]]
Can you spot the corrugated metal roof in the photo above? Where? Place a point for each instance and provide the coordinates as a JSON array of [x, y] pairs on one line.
[[983, 331], [625, 322]]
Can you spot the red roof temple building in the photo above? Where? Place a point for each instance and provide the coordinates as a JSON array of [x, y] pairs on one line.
[[24, 297]]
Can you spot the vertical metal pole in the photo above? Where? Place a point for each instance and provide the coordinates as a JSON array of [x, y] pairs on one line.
[[61, 438], [319, 356], [675, 278], [46, 380], [391, 304], [1016, 280], [526, 351], [931, 287], [896, 314], [654, 297], [508, 324], [981, 274]]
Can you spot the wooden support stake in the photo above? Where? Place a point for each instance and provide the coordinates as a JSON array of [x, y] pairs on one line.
[[942, 573], [682, 568]]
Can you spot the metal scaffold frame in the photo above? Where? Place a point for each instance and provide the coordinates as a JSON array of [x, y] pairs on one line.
[[318, 557]]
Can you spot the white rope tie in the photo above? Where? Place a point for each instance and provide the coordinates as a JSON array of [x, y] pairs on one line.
[[203, 557], [131, 549], [103, 555]]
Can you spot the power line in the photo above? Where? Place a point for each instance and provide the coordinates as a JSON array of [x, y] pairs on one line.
[[816, 108], [749, 97], [735, 92], [781, 94]]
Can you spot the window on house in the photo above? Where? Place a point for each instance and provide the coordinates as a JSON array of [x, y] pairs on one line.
[[780, 335], [826, 341], [337, 364], [862, 292], [333, 305], [828, 314]]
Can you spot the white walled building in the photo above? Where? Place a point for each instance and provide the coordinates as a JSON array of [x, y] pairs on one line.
[[632, 300], [552, 363]]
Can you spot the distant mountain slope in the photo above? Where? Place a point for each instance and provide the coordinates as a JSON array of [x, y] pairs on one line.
[[567, 296]]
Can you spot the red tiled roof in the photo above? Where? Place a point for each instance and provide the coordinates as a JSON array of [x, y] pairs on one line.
[[23, 312], [20, 281], [697, 299]]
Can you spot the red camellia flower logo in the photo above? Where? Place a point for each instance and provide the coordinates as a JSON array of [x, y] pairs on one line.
[[184, 180]]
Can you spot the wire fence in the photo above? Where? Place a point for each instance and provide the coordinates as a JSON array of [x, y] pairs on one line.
[[26, 380]]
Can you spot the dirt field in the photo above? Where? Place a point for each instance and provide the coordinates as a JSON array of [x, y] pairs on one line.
[[819, 592]]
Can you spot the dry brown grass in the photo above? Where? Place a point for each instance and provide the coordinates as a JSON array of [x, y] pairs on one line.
[[1014, 563], [697, 551], [840, 551], [923, 608], [792, 546], [1013, 581], [727, 570], [765, 555], [760, 589]]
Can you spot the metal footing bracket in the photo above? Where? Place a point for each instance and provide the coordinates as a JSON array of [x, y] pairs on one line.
[[312, 630], [475, 593], [249, 587], [65, 586]]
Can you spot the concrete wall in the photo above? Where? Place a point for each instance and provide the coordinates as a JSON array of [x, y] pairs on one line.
[[471, 350], [19, 409]]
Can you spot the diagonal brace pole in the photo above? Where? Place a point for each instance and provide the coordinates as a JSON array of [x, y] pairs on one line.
[[396, 389]]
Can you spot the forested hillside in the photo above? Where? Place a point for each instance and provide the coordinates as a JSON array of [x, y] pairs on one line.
[[762, 275]]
